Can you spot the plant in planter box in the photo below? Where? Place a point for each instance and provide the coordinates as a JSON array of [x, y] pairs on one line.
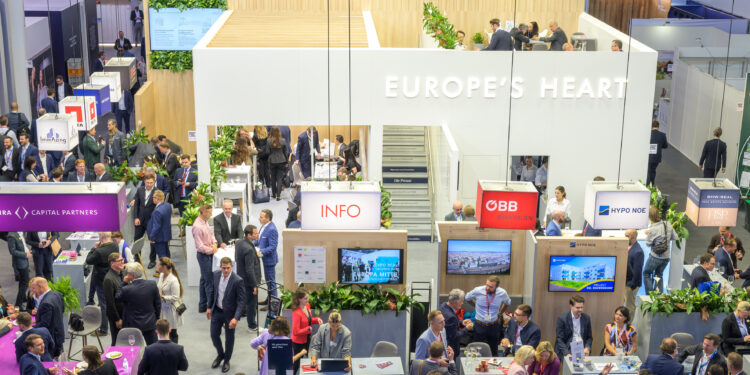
[[385, 207], [69, 294], [690, 300], [123, 173], [478, 40], [368, 299]]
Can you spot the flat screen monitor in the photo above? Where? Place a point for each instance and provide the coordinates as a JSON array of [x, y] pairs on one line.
[[174, 30], [371, 266], [478, 257], [582, 273]]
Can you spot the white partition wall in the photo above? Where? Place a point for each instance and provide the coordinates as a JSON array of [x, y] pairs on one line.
[[444, 158]]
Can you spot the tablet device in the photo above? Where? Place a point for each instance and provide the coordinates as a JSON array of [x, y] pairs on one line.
[[333, 365]]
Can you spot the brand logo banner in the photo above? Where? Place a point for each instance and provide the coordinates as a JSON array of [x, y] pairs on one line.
[[619, 210], [56, 132], [338, 210], [506, 209], [62, 212], [712, 206]]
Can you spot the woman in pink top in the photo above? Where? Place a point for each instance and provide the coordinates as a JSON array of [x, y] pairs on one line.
[[205, 246], [522, 360], [546, 362]]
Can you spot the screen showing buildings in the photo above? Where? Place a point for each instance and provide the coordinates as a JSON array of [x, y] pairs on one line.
[[582, 274], [371, 266], [174, 30], [477, 257]]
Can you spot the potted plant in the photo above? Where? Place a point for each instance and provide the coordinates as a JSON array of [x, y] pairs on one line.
[[478, 40], [69, 294], [385, 208]]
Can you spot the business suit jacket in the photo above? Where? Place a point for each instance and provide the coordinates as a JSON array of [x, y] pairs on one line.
[[49, 314], [123, 43], [143, 208], [530, 335], [557, 39], [141, 304], [267, 243], [553, 229], [17, 120], [68, 165], [49, 343], [452, 327], [699, 276], [428, 366], [303, 151], [159, 228], [452, 217], [31, 150], [50, 161], [32, 238], [139, 152], [731, 334], [663, 364], [223, 233], [50, 105], [17, 252], [501, 41], [519, 39], [171, 164], [99, 258], [320, 346], [67, 90], [73, 176], [91, 151], [118, 152], [717, 359], [112, 284], [106, 177], [192, 178], [29, 365], [14, 161], [98, 66], [565, 333], [248, 264], [234, 296], [722, 259], [714, 154], [174, 147], [163, 358], [660, 140], [634, 273]]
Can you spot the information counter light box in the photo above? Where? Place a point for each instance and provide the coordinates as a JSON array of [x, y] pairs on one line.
[[712, 204], [609, 205], [478, 257], [100, 92], [371, 266], [506, 205]]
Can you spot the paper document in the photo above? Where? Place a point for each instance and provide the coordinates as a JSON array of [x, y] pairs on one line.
[[543, 33], [745, 179], [601, 366]]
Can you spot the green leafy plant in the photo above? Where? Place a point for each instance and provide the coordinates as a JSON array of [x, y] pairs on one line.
[[477, 38], [175, 61], [137, 136], [187, 4], [690, 300], [437, 26], [385, 207], [123, 173], [368, 299], [69, 294], [678, 219]]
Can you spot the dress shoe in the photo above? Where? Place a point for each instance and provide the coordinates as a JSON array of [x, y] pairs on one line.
[[225, 367], [264, 308], [263, 302], [216, 362], [151, 265]]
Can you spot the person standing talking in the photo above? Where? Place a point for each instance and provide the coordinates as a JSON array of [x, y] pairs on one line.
[[490, 302], [205, 246]]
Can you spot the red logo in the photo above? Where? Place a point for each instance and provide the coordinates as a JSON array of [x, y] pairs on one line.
[[506, 209], [341, 210], [76, 111], [92, 111]]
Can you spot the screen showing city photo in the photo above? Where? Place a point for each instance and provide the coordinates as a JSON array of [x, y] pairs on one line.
[[582, 274], [371, 266], [477, 257]]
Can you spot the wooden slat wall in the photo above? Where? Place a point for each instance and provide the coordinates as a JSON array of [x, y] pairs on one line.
[[144, 107], [617, 13]]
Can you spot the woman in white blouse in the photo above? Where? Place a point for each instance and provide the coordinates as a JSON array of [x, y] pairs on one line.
[[170, 289], [559, 203]]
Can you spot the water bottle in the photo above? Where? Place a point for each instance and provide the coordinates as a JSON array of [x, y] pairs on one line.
[[124, 363]]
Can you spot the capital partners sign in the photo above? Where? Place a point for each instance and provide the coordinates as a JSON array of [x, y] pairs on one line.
[[487, 87]]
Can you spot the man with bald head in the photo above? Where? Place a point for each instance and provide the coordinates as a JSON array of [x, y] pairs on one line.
[[457, 213], [49, 311], [553, 227], [634, 274], [664, 363], [99, 259], [16, 120], [557, 39], [101, 173]]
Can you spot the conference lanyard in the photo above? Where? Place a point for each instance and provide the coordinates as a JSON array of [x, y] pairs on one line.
[[722, 238], [702, 366], [8, 155], [489, 303], [618, 336]]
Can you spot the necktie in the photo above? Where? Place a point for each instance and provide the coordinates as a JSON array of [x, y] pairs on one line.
[[184, 178]]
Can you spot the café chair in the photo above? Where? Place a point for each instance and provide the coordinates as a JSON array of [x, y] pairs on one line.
[[384, 349], [482, 347], [137, 249], [92, 320], [124, 335]]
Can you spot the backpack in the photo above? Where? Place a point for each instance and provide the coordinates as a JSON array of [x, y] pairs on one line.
[[75, 322], [661, 247]]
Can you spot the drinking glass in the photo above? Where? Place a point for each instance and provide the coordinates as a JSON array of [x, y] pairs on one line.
[[131, 341]]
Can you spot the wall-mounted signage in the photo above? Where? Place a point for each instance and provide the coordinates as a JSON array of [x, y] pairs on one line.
[[345, 206], [56, 132], [609, 206], [83, 109], [511, 205], [712, 203]]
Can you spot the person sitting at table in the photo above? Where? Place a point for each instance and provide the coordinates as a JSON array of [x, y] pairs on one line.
[[31, 363], [709, 356], [664, 363], [7, 310], [278, 330], [435, 332], [620, 335], [302, 321], [546, 362], [521, 330], [700, 273], [333, 340], [26, 329], [573, 326], [524, 357], [227, 226], [96, 366], [735, 330], [433, 363]]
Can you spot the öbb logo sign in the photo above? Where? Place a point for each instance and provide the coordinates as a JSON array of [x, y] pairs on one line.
[[497, 205], [340, 211]]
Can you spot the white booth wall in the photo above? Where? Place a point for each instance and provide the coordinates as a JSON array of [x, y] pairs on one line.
[[36, 36], [580, 135], [737, 7]]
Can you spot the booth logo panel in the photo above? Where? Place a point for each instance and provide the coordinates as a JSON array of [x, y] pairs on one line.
[[621, 210], [61, 212], [506, 209], [341, 211]]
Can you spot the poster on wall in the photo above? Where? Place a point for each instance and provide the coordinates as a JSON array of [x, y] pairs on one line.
[[41, 76], [664, 63], [310, 264]]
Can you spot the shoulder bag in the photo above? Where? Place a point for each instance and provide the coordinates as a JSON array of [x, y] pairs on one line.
[[661, 247]]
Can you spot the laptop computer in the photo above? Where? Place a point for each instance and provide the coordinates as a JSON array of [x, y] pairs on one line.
[[333, 365]]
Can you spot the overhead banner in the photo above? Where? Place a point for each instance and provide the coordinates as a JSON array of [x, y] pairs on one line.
[[345, 206], [70, 207], [56, 132], [111, 79], [712, 202], [83, 108], [100, 92], [506, 205], [608, 205]]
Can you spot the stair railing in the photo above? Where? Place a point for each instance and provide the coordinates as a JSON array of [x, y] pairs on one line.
[[430, 182]]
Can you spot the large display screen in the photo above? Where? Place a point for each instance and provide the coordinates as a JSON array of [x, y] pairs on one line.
[[582, 274], [371, 266], [174, 30], [478, 257]]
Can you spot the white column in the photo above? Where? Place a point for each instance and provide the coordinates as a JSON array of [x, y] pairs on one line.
[[201, 143], [375, 153], [16, 26]]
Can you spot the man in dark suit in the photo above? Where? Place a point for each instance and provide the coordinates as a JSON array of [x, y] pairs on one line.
[[723, 256], [40, 244], [303, 151], [92, 149], [266, 243], [68, 164], [99, 259], [49, 312], [122, 43], [717, 241], [141, 302], [111, 285], [455, 326], [45, 163], [143, 204], [17, 120], [457, 213], [24, 326], [248, 268], [573, 326], [10, 164], [520, 36], [136, 17], [26, 149], [81, 174], [114, 142], [163, 357], [557, 39], [634, 273], [223, 231], [658, 142], [501, 40], [700, 273], [735, 332], [20, 263], [62, 88], [185, 181], [521, 331], [159, 227], [714, 155], [100, 62], [225, 310], [30, 363], [170, 162], [709, 356], [174, 147], [664, 363], [734, 364], [49, 103], [123, 108], [101, 174]]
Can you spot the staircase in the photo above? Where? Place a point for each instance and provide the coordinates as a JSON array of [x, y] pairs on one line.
[[405, 176]]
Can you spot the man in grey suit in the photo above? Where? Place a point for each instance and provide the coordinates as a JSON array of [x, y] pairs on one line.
[[458, 212], [114, 146], [227, 226], [501, 40], [557, 39], [424, 366], [248, 268]]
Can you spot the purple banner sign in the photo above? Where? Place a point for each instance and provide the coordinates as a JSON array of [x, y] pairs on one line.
[[63, 212]]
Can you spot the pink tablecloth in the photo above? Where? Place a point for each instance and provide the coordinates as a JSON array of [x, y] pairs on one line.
[[133, 357], [8, 364]]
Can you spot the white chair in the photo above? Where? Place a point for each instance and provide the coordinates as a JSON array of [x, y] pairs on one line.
[[384, 349], [124, 336], [482, 347], [92, 320]]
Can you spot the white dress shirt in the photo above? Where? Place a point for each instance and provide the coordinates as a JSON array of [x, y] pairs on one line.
[[61, 91], [528, 174], [553, 205], [222, 288], [43, 162], [146, 197], [229, 222], [576, 328]]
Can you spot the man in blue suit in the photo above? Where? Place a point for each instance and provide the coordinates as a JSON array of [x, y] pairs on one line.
[[20, 263], [664, 363], [521, 331], [45, 163], [634, 273], [657, 143], [303, 151], [185, 181], [49, 312], [24, 325], [31, 363], [553, 228], [723, 257], [225, 310], [266, 244], [573, 325], [501, 40], [159, 227], [163, 357], [26, 149], [49, 103]]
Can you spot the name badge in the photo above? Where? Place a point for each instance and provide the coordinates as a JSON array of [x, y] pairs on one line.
[[652, 148]]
